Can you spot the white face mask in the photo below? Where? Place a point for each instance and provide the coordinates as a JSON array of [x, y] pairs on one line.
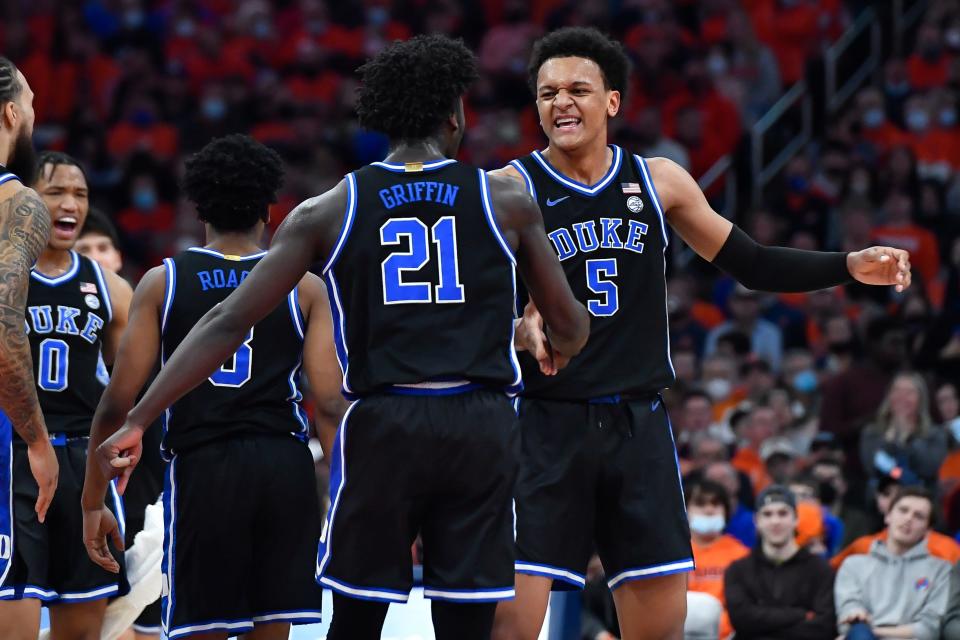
[[707, 525], [718, 388]]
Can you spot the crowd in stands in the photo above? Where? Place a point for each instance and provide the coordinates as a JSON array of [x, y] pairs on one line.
[[819, 434]]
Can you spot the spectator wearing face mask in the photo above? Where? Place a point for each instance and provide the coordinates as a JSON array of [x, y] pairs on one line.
[[740, 522], [780, 590], [722, 382], [898, 589], [875, 126], [708, 507]]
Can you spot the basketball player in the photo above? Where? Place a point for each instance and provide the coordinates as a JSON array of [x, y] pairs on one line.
[[598, 464], [75, 313], [241, 509], [99, 241], [418, 253], [24, 230]]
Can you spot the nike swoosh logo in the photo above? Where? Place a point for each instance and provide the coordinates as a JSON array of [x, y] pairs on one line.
[[550, 202]]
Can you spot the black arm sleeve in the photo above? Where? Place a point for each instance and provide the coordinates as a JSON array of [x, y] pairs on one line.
[[779, 268]]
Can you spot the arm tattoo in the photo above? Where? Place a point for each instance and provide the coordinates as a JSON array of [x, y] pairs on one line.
[[24, 229]]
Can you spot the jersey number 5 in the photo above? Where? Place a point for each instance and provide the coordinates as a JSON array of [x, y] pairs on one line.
[[236, 371], [600, 274], [444, 234]]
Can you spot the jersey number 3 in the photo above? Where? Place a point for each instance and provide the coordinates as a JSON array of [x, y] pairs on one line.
[[236, 371], [416, 234]]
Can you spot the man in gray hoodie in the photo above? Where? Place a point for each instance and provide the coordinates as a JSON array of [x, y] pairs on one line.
[[898, 590]]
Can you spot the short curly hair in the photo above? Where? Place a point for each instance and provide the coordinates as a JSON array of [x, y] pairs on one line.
[[233, 180], [582, 42], [409, 88]]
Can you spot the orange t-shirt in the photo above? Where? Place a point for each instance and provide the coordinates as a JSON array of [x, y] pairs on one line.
[[712, 561], [939, 545], [749, 462]]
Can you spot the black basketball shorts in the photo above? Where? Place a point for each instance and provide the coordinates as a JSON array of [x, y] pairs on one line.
[[599, 476], [442, 466], [241, 520], [49, 561]]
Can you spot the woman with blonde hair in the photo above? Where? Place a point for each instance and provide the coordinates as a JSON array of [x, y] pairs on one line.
[[903, 442]]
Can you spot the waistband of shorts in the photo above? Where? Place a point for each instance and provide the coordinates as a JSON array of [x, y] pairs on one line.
[[614, 398], [430, 388], [57, 439]]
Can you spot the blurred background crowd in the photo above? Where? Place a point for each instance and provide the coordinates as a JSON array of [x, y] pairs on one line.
[[822, 124]]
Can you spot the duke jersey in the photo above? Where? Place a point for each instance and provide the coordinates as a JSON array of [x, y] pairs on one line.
[[422, 282], [65, 320], [611, 240], [256, 389]]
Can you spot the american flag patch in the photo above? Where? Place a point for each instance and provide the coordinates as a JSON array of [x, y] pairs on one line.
[[631, 187], [88, 287]]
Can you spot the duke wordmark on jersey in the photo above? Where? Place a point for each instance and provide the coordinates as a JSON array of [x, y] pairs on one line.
[[605, 233], [42, 319]]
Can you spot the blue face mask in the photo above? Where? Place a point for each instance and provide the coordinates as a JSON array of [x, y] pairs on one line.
[[797, 183], [214, 108], [707, 525], [948, 117], [954, 427], [805, 381], [873, 118], [145, 199]]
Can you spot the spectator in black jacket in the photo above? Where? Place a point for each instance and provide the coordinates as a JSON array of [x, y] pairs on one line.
[[780, 590]]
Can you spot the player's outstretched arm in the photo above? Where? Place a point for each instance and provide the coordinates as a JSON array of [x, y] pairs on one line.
[[307, 235], [762, 268], [24, 230], [136, 357], [324, 377], [568, 323]]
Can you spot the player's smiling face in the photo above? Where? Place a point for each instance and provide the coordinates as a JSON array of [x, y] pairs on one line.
[[573, 102]]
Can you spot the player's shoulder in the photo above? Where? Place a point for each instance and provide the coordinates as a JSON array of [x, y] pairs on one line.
[[507, 171], [23, 199]]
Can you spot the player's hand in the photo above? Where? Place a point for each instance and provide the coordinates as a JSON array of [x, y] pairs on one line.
[[531, 335], [97, 525], [46, 471], [881, 266], [119, 454]]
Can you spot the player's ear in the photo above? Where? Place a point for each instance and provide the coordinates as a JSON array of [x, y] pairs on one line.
[[613, 103], [10, 114]]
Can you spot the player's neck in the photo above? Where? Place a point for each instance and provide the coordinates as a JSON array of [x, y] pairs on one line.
[[780, 553], [587, 164], [235, 243], [54, 262], [416, 151]]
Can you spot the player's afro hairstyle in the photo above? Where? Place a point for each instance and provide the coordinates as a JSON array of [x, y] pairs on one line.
[[582, 42], [232, 181], [409, 88]]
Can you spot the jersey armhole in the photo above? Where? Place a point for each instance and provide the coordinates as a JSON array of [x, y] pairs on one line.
[[492, 218], [170, 290], [652, 190], [7, 177], [348, 217], [522, 170], [98, 273], [296, 314]]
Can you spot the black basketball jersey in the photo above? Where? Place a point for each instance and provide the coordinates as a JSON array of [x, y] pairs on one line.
[[422, 282], [256, 390], [65, 320], [611, 239]]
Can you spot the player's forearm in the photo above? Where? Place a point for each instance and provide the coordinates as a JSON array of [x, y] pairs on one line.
[[208, 345], [780, 268], [568, 334], [18, 393], [109, 417]]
